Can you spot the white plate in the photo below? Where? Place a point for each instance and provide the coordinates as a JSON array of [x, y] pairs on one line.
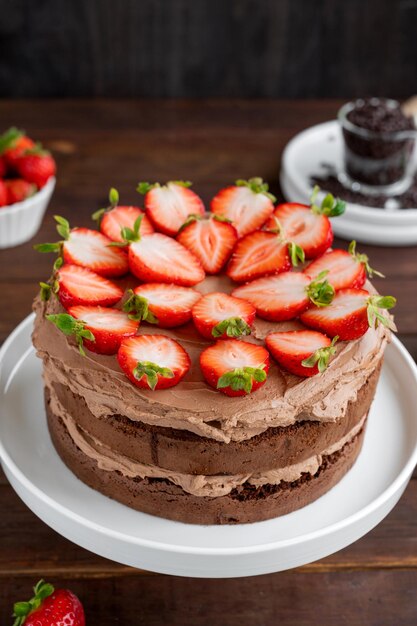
[[359, 502], [305, 155]]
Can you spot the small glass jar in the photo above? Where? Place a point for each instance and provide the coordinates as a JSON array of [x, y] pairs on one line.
[[376, 162]]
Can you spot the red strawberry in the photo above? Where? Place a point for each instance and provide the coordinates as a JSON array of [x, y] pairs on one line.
[[169, 206], [211, 240], [77, 285], [350, 314], [36, 166], [89, 248], [3, 194], [221, 316], [120, 217], [166, 305], [13, 143], [3, 167], [18, 190], [153, 361], [49, 607], [283, 297], [235, 367], [158, 258], [248, 204], [301, 352], [345, 269], [258, 254], [108, 326]]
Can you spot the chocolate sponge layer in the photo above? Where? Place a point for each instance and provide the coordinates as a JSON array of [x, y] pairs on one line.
[[188, 453], [162, 498]]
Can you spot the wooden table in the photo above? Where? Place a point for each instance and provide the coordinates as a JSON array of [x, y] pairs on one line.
[[99, 144]]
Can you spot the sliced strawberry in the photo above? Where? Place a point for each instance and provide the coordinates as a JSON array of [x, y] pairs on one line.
[[211, 240], [108, 326], [248, 204], [217, 315], [312, 232], [153, 361], [283, 297], [301, 352], [258, 254], [89, 248], [169, 206], [350, 314], [166, 305], [345, 269], [18, 190], [158, 258], [235, 367], [120, 217], [77, 285]]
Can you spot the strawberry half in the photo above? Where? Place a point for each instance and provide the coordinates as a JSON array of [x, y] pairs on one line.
[[77, 285], [345, 269], [153, 361], [283, 297], [217, 315], [108, 326], [49, 607], [248, 204], [301, 352], [211, 240], [169, 206], [18, 190], [166, 305], [116, 220], [258, 254], [235, 367], [158, 258], [350, 314]]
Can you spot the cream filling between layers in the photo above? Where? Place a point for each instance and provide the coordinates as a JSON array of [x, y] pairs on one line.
[[197, 485]]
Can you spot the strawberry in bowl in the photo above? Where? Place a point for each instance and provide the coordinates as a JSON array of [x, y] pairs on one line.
[[27, 181]]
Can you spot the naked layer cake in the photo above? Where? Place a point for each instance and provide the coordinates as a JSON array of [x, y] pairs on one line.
[[209, 368]]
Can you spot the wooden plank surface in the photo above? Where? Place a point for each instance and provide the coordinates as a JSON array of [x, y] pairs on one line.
[[99, 144]]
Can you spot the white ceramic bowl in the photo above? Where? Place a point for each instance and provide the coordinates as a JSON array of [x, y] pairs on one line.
[[19, 222]]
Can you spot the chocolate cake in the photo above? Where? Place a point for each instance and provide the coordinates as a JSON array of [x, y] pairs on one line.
[[189, 450]]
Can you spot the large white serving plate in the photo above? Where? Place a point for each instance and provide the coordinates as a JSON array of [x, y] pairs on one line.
[[359, 502], [307, 154]]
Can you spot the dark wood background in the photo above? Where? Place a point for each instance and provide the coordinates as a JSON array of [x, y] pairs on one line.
[[208, 48]]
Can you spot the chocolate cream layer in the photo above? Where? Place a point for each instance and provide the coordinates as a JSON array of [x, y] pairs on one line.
[[197, 485], [192, 405]]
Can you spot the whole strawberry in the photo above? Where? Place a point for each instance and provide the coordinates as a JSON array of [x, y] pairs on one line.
[[49, 607], [13, 143], [18, 190], [36, 166], [3, 193]]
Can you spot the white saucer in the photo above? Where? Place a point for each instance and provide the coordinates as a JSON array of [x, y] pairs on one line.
[[359, 502], [305, 156]]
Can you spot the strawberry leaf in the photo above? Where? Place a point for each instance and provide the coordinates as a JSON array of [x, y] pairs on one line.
[[296, 253], [374, 314], [320, 291], [232, 327], [45, 292], [256, 185], [150, 371], [220, 218], [242, 378], [143, 187], [137, 308], [113, 197], [21, 610], [181, 183], [48, 247], [63, 226], [321, 356], [330, 206], [69, 325], [97, 216], [8, 138], [364, 259], [129, 235], [194, 217]]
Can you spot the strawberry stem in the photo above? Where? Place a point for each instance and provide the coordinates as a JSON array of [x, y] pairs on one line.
[[320, 291], [364, 260], [21, 610], [137, 308], [150, 371], [97, 216], [375, 316], [321, 356], [69, 325], [330, 206], [242, 378], [233, 327], [256, 185]]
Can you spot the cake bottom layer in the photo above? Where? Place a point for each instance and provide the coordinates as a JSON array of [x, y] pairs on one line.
[[246, 503]]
